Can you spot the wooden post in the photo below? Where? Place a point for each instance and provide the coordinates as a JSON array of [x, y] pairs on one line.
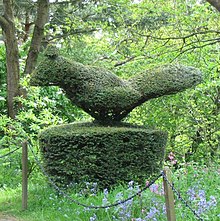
[[24, 175], [169, 198]]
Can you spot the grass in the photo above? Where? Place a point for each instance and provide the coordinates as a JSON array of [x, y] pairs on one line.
[[199, 185]]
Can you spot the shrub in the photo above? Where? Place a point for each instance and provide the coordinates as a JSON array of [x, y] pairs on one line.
[[76, 153], [104, 95]]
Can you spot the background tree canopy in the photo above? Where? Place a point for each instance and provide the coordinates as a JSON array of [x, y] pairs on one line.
[[127, 37]]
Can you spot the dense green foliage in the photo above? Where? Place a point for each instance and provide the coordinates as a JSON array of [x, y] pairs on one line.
[[126, 38], [198, 185], [106, 155], [144, 35], [167, 34], [104, 95]]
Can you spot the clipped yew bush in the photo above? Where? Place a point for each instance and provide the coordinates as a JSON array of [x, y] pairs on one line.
[[107, 152], [75, 153], [104, 95]]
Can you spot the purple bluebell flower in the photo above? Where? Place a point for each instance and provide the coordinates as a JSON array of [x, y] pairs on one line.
[[154, 188], [138, 219], [93, 218], [201, 194], [131, 183], [119, 196], [192, 194], [125, 210], [131, 186], [105, 198], [212, 202], [164, 209], [152, 213], [105, 192], [199, 199]]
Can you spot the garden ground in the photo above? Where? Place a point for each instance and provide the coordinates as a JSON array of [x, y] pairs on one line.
[[7, 218]]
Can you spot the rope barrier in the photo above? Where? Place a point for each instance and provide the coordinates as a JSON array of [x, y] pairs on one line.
[[120, 202], [162, 174], [180, 197], [89, 206], [11, 152]]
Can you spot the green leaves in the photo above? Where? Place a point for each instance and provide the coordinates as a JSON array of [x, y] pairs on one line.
[[108, 155]]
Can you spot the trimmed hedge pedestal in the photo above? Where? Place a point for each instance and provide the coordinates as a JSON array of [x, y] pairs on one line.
[[107, 155]]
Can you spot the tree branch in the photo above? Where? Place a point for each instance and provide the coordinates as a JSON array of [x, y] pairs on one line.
[[181, 37], [214, 41], [183, 48], [12, 56], [125, 61], [3, 23], [41, 20], [73, 32]]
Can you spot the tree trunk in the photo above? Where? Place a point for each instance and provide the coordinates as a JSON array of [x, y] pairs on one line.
[[12, 56], [42, 19], [215, 3]]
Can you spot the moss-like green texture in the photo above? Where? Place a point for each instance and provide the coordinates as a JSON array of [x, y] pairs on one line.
[[111, 153], [76, 153], [102, 94]]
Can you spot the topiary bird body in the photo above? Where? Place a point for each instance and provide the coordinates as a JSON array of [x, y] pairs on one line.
[[104, 95]]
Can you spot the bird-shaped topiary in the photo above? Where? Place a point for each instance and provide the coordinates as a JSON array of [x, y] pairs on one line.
[[106, 151], [104, 95]]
